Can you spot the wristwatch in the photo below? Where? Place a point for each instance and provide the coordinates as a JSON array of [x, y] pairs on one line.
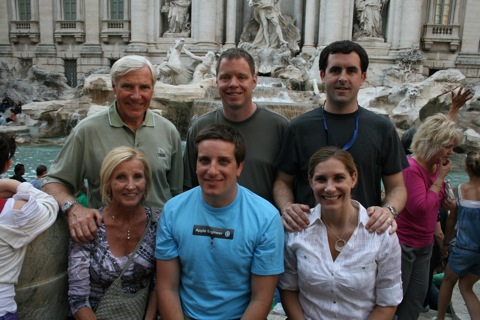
[[67, 205], [392, 210]]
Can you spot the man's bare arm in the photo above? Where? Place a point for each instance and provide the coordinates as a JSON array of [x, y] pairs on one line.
[[396, 196], [82, 222], [167, 283], [263, 289], [293, 214]]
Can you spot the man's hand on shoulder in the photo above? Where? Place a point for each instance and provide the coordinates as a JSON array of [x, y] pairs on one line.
[[83, 223], [380, 219], [294, 217]]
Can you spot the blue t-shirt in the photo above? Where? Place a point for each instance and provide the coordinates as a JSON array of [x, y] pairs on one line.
[[219, 249]]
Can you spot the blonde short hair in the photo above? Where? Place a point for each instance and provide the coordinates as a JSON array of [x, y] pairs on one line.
[[112, 160], [435, 133]]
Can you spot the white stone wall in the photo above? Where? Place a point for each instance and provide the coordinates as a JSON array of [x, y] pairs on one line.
[[217, 24]]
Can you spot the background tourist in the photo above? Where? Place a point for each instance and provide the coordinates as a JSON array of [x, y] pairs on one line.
[[227, 268], [464, 260], [459, 98], [262, 129], [19, 171], [439, 251], [337, 243], [25, 212], [432, 146], [341, 122], [128, 229], [41, 172], [128, 122]]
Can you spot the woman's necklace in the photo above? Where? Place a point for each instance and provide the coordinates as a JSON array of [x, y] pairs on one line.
[[340, 243], [128, 230]]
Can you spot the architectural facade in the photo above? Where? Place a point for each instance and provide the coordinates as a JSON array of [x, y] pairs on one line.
[[76, 36]]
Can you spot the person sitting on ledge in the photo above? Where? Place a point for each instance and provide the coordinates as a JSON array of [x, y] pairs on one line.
[[25, 212]]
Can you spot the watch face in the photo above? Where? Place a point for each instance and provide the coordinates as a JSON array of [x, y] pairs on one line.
[[67, 205], [393, 210]]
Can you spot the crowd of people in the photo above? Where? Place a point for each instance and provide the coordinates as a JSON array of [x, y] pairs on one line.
[[254, 203]]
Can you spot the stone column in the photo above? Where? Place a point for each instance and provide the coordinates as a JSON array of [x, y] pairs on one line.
[[91, 53], [231, 23], [298, 14], [470, 36], [336, 19], [411, 23], [92, 22], [206, 23], [469, 55], [152, 17], [46, 48], [394, 28], [138, 39], [5, 49], [311, 18]]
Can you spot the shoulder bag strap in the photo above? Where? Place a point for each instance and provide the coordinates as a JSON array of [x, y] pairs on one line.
[[132, 255]]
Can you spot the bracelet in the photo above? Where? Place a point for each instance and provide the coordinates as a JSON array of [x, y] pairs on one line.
[[438, 185]]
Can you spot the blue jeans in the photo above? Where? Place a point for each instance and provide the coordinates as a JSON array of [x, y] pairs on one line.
[[9, 316], [415, 273]]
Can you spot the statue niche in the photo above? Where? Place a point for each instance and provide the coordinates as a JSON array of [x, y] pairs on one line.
[[269, 36], [178, 14], [368, 18]]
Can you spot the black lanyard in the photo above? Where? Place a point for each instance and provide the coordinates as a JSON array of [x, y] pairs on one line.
[[349, 144]]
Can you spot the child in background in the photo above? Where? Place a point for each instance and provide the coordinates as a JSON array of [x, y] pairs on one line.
[[464, 260]]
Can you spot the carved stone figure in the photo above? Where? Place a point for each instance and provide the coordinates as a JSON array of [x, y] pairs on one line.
[[369, 17], [178, 16], [267, 14], [205, 66], [269, 28], [173, 70], [310, 83], [269, 37]]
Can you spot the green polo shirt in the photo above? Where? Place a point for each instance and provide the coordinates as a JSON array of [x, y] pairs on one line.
[[87, 145]]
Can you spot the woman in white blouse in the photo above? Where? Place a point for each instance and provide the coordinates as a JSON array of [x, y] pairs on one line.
[[335, 268]]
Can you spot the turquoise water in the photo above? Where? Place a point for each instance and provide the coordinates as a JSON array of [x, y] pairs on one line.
[[457, 175], [32, 156]]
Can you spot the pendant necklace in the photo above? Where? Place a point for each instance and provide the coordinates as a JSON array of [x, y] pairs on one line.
[[340, 243], [128, 230]]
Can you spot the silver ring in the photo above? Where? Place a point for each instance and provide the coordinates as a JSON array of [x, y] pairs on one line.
[[389, 221]]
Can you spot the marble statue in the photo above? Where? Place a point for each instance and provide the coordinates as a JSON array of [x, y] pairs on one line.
[[269, 28], [310, 83], [267, 14], [270, 37], [172, 70], [178, 16], [205, 66], [369, 18]]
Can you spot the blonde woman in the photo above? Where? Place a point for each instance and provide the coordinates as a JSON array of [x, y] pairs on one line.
[[125, 181], [432, 146]]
